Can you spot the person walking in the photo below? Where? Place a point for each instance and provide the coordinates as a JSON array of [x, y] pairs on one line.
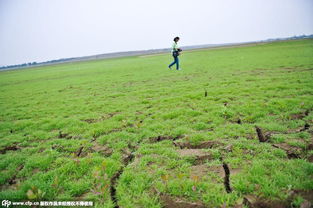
[[175, 53]]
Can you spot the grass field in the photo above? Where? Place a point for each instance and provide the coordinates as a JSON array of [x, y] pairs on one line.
[[232, 129]]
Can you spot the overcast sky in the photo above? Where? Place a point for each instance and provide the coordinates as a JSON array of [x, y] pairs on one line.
[[41, 30]]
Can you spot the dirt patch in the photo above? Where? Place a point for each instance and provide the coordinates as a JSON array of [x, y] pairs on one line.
[[306, 127], [35, 170], [191, 152], [127, 156], [14, 186], [218, 170], [300, 115], [41, 149], [158, 159], [110, 115], [104, 117], [228, 148], [310, 146], [256, 202], [292, 152], [9, 148], [173, 202], [201, 170], [136, 161], [82, 196], [235, 171], [64, 135], [13, 179], [305, 194], [256, 71], [103, 150], [250, 136], [91, 120], [116, 130], [84, 151], [202, 145], [199, 155]]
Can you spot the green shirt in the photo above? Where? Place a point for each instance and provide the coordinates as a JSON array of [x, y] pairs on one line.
[[174, 47]]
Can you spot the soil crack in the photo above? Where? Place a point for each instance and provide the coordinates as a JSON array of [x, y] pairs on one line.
[[80, 150], [162, 138], [127, 159], [9, 148], [202, 145], [226, 178], [262, 137]]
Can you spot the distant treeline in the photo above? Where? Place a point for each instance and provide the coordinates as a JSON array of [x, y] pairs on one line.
[[35, 63], [73, 59], [291, 38]]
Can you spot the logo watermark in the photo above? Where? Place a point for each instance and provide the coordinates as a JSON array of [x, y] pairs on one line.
[[8, 203]]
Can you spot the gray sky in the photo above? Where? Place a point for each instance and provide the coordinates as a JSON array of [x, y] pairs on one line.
[[41, 30]]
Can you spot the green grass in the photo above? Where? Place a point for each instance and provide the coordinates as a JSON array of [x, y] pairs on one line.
[[121, 103]]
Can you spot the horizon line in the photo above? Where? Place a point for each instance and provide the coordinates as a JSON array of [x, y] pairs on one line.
[[140, 52]]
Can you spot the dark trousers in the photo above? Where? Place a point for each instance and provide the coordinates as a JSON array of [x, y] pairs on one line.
[[176, 61]]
